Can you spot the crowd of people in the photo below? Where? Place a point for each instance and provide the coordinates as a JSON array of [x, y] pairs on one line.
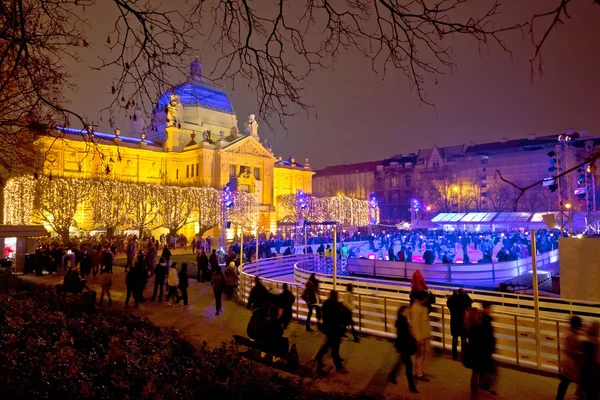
[[452, 246], [272, 310]]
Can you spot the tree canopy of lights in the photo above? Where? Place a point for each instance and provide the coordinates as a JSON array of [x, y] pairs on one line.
[[206, 208], [175, 204], [244, 212], [345, 210], [143, 201], [18, 201], [62, 203], [56, 201], [109, 210]]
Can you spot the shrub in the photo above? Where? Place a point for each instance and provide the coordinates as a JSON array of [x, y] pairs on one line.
[[50, 350]]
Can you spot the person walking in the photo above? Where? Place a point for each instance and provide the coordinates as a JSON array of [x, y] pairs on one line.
[[590, 385], [108, 258], [107, 281], [160, 273], [285, 301], [311, 297], [213, 260], [458, 304], [406, 346], [172, 282], [572, 358], [419, 321], [348, 301], [334, 325], [218, 283], [183, 285], [231, 279]]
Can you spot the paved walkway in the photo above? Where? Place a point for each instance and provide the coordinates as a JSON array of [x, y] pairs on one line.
[[368, 361]]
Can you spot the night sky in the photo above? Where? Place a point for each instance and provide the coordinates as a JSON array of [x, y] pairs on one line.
[[489, 96]]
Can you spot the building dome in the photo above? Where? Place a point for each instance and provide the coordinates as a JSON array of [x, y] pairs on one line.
[[196, 92]]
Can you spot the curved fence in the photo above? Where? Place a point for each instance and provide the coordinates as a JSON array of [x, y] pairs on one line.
[[491, 272], [376, 304]]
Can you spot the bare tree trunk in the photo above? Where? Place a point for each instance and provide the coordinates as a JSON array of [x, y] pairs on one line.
[[64, 234], [110, 232]]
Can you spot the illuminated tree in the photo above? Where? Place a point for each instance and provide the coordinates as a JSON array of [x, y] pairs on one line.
[[56, 202], [175, 205], [207, 208], [244, 212], [143, 200], [109, 209], [18, 201], [287, 208]]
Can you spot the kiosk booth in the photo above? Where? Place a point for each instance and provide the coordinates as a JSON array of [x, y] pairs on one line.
[[20, 240]]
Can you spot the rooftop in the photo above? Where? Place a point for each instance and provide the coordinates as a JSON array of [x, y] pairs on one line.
[[369, 166]]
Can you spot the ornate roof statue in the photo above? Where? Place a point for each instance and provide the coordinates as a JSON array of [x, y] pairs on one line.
[[251, 126], [196, 70]]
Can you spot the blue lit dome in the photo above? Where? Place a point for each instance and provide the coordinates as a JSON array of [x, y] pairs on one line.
[[196, 92]]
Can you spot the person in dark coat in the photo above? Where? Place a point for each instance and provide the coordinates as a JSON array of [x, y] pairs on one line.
[[183, 285], [166, 254], [272, 334], [481, 347], [334, 325], [203, 271], [312, 298], [458, 304], [406, 345], [259, 295], [590, 370], [218, 284], [108, 257], [285, 301], [86, 263], [160, 273], [213, 260], [131, 282]]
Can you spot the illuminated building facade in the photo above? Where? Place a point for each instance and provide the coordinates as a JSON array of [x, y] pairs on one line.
[[351, 180], [463, 178], [191, 139]]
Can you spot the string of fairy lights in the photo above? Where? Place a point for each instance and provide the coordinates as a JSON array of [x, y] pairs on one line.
[[347, 211], [61, 203]]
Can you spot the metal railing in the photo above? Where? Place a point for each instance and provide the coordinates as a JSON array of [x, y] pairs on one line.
[[377, 302], [493, 271]]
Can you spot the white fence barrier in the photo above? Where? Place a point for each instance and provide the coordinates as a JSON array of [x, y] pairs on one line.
[[377, 303], [496, 272]]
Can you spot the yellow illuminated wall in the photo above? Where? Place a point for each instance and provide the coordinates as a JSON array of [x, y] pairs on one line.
[[198, 164]]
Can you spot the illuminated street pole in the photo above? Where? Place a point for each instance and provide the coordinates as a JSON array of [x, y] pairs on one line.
[[536, 301], [257, 243], [334, 256]]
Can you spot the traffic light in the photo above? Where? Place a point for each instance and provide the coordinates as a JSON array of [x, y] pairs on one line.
[[580, 176], [553, 161]]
